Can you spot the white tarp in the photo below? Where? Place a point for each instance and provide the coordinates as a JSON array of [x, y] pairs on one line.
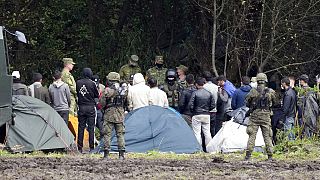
[[232, 137]]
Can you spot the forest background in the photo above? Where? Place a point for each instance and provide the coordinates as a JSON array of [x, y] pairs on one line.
[[230, 37]]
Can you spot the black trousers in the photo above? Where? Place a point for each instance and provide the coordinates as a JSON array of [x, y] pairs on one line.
[[64, 115], [214, 124], [86, 117]]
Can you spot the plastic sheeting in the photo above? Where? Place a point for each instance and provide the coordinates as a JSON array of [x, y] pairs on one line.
[[232, 137]]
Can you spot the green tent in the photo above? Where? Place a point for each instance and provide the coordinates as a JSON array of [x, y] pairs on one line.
[[36, 126]]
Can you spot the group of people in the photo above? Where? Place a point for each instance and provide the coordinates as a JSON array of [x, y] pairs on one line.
[[203, 101]]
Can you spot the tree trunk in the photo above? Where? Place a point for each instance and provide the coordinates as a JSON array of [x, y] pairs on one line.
[[214, 37]]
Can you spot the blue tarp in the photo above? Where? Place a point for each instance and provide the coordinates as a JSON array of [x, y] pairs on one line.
[[157, 128]]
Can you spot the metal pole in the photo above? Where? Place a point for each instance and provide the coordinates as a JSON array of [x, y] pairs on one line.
[[7, 50]]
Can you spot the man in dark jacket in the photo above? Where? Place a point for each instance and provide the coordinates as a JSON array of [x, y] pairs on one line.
[[200, 104], [185, 98], [238, 99], [38, 91], [60, 96], [288, 107], [18, 88], [87, 93]]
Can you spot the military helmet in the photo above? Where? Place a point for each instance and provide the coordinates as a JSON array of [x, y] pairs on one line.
[[113, 76], [262, 77], [171, 74]]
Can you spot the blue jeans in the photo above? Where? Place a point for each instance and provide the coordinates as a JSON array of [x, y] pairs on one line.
[[288, 127]]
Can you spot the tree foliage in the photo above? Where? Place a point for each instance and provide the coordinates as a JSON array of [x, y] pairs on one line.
[[247, 36]]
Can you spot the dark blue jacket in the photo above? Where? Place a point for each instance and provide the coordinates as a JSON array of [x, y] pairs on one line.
[[289, 103], [238, 99]]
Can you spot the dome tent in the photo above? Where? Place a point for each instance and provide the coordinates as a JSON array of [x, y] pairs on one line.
[[156, 128], [36, 126]]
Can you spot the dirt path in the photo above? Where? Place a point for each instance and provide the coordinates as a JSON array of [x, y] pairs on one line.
[[94, 168]]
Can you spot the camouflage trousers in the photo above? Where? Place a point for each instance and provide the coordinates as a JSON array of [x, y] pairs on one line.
[[107, 130], [252, 130], [73, 106]]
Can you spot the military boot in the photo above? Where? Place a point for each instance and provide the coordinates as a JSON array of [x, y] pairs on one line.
[[121, 154], [248, 156], [106, 155], [269, 158]]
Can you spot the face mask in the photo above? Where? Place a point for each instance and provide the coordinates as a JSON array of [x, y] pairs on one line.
[[170, 80], [114, 85], [159, 65]]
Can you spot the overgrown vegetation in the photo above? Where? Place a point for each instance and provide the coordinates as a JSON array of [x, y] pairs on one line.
[[299, 148], [225, 36]]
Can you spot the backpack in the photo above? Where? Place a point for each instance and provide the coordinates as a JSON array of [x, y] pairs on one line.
[[262, 101], [118, 96], [239, 115]]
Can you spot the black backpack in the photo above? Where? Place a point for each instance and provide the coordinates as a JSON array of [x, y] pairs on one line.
[[263, 102]]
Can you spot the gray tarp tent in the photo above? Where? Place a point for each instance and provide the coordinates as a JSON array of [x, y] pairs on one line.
[[36, 127]]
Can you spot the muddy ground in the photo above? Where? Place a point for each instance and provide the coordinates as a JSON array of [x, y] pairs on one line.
[[85, 167]]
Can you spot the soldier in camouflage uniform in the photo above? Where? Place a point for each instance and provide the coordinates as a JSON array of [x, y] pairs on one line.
[[172, 89], [114, 100], [158, 72], [182, 71], [130, 69], [67, 78], [260, 100]]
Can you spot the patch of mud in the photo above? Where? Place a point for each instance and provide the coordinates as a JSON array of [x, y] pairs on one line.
[[82, 167]]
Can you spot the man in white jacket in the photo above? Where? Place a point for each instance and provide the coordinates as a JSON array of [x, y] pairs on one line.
[[159, 97], [139, 93]]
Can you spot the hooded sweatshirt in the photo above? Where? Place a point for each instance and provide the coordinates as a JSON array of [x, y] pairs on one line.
[[238, 99], [38, 91], [60, 95], [87, 90], [19, 89], [139, 93]]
